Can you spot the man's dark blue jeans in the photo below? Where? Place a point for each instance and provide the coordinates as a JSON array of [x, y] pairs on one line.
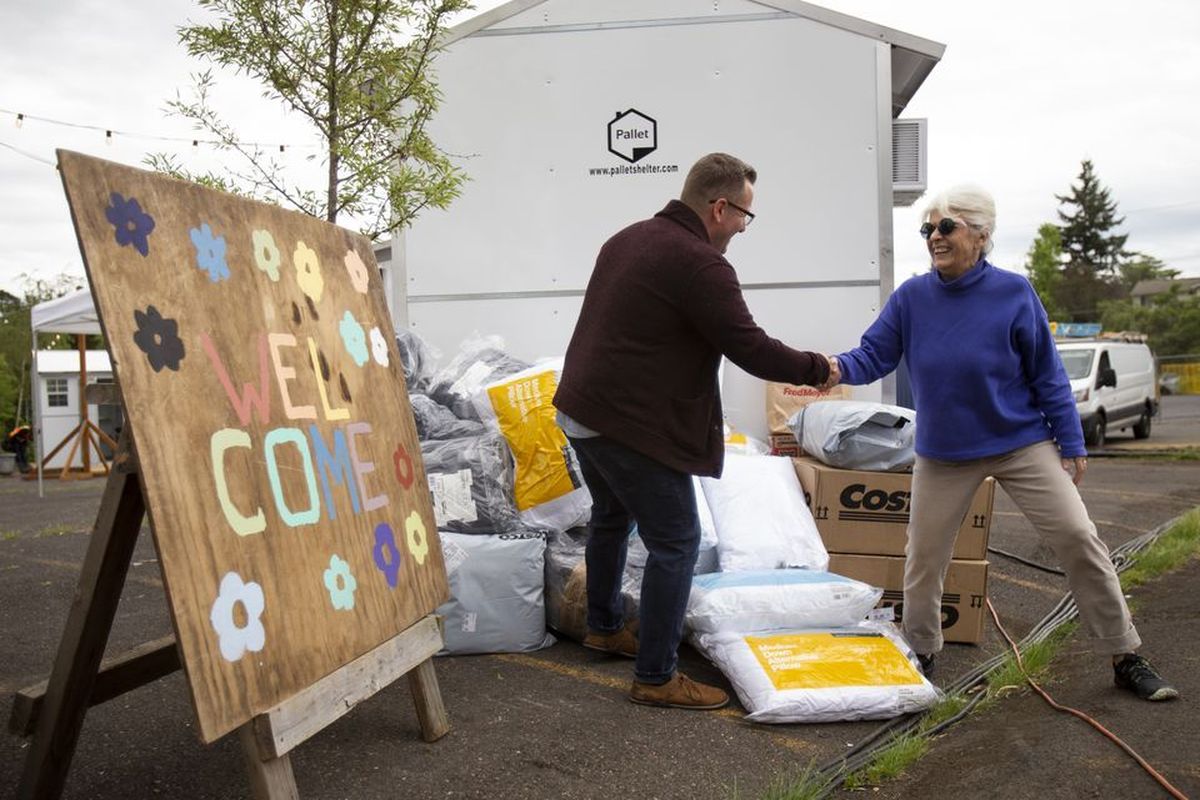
[[628, 487]]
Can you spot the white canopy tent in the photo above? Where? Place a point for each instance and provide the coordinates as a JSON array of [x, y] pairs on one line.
[[73, 314]]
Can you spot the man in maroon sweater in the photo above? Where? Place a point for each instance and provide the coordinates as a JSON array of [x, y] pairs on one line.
[[640, 403]]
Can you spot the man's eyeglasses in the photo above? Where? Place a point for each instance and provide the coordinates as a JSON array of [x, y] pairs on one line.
[[747, 213], [945, 226]]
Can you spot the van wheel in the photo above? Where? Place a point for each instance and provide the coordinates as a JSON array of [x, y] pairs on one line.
[[1095, 435], [1141, 430]]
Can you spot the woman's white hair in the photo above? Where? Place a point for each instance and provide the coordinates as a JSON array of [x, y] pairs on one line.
[[971, 203]]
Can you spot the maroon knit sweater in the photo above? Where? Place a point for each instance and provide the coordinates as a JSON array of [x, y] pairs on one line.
[[661, 308]]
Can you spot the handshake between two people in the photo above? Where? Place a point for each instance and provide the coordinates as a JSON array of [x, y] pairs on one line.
[[835, 374]]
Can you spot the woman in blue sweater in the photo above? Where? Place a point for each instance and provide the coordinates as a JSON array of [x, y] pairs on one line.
[[992, 398]]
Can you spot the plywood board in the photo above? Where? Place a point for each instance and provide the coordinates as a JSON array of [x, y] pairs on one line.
[[279, 457]]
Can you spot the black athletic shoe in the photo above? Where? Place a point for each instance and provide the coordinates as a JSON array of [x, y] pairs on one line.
[[1135, 674], [926, 663]]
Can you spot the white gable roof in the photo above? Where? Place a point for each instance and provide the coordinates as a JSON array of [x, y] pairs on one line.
[[51, 362], [913, 57]]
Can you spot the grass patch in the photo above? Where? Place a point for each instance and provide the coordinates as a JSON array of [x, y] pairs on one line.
[[1173, 454], [8, 536], [1036, 657], [945, 708], [806, 784], [1170, 551], [890, 762], [55, 530]]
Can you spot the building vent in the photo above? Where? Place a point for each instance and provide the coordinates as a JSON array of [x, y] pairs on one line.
[[908, 161]]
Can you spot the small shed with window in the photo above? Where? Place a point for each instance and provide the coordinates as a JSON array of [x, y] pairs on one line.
[[57, 388]]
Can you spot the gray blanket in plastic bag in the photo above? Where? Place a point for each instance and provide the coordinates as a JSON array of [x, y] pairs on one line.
[[851, 434], [566, 585], [435, 421], [496, 600], [566, 580], [456, 385], [471, 483]]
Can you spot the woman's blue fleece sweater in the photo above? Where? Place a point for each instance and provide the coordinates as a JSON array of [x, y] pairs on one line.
[[986, 375]]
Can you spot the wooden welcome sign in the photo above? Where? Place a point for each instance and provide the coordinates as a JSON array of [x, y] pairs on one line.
[[279, 459]]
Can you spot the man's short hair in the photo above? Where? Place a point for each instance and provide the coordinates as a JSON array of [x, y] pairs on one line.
[[713, 176]]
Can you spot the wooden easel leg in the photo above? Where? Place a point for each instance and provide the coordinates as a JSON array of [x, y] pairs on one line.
[[270, 778], [427, 697], [86, 633]]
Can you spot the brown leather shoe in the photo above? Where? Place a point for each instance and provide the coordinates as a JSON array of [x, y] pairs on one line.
[[621, 643], [679, 692]]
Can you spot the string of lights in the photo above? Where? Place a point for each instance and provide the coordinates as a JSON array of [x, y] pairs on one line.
[[20, 118], [21, 152]]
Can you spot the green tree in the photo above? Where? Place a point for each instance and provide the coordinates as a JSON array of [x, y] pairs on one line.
[[1172, 322], [359, 72], [1142, 268], [1093, 251], [1043, 264], [16, 346], [1087, 226]]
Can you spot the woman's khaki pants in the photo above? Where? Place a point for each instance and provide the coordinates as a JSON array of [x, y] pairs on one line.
[[1035, 480]]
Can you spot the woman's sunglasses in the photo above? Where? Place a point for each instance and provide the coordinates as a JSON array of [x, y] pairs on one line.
[[945, 226]]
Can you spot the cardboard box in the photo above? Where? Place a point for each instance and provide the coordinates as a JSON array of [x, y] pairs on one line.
[[784, 400], [867, 512], [963, 594], [784, 444]]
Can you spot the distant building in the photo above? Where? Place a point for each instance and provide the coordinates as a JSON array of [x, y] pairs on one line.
[[1144, 292], [58, 393]]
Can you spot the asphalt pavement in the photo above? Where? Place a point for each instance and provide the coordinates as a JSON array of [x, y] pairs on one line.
[[557, 724]]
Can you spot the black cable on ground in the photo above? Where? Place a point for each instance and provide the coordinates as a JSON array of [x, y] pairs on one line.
[[1026, 561], [833, 773]]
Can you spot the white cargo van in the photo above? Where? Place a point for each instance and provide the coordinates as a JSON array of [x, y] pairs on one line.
[[1114, 386]]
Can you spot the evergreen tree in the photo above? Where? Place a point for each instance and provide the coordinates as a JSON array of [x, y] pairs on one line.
[[1093, 251], [1087, 230], [1043, 264]]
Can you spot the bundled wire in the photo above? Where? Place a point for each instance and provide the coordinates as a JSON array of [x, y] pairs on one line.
[[832, 774]]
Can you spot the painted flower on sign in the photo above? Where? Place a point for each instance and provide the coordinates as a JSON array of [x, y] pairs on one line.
[[359, 277], [308, 272], [340, 583], [379, 347], [131, 225], [238, 632], [210, 252], [402, 461], [266, 254], [158, 337], [354, 338], [387, 555], [418, 540]]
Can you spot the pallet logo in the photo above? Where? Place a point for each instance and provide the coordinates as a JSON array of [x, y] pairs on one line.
[[632, 135]]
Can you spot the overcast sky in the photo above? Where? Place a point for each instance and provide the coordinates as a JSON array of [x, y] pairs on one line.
[[1024, 92]]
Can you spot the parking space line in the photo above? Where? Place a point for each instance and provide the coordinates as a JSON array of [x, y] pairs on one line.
[[1027, 584], [1111, 524], [728, 713], [1184, 501], [75, 567]]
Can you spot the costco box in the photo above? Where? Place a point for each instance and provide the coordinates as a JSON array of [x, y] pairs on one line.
[[962, 596], [867, 512]]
